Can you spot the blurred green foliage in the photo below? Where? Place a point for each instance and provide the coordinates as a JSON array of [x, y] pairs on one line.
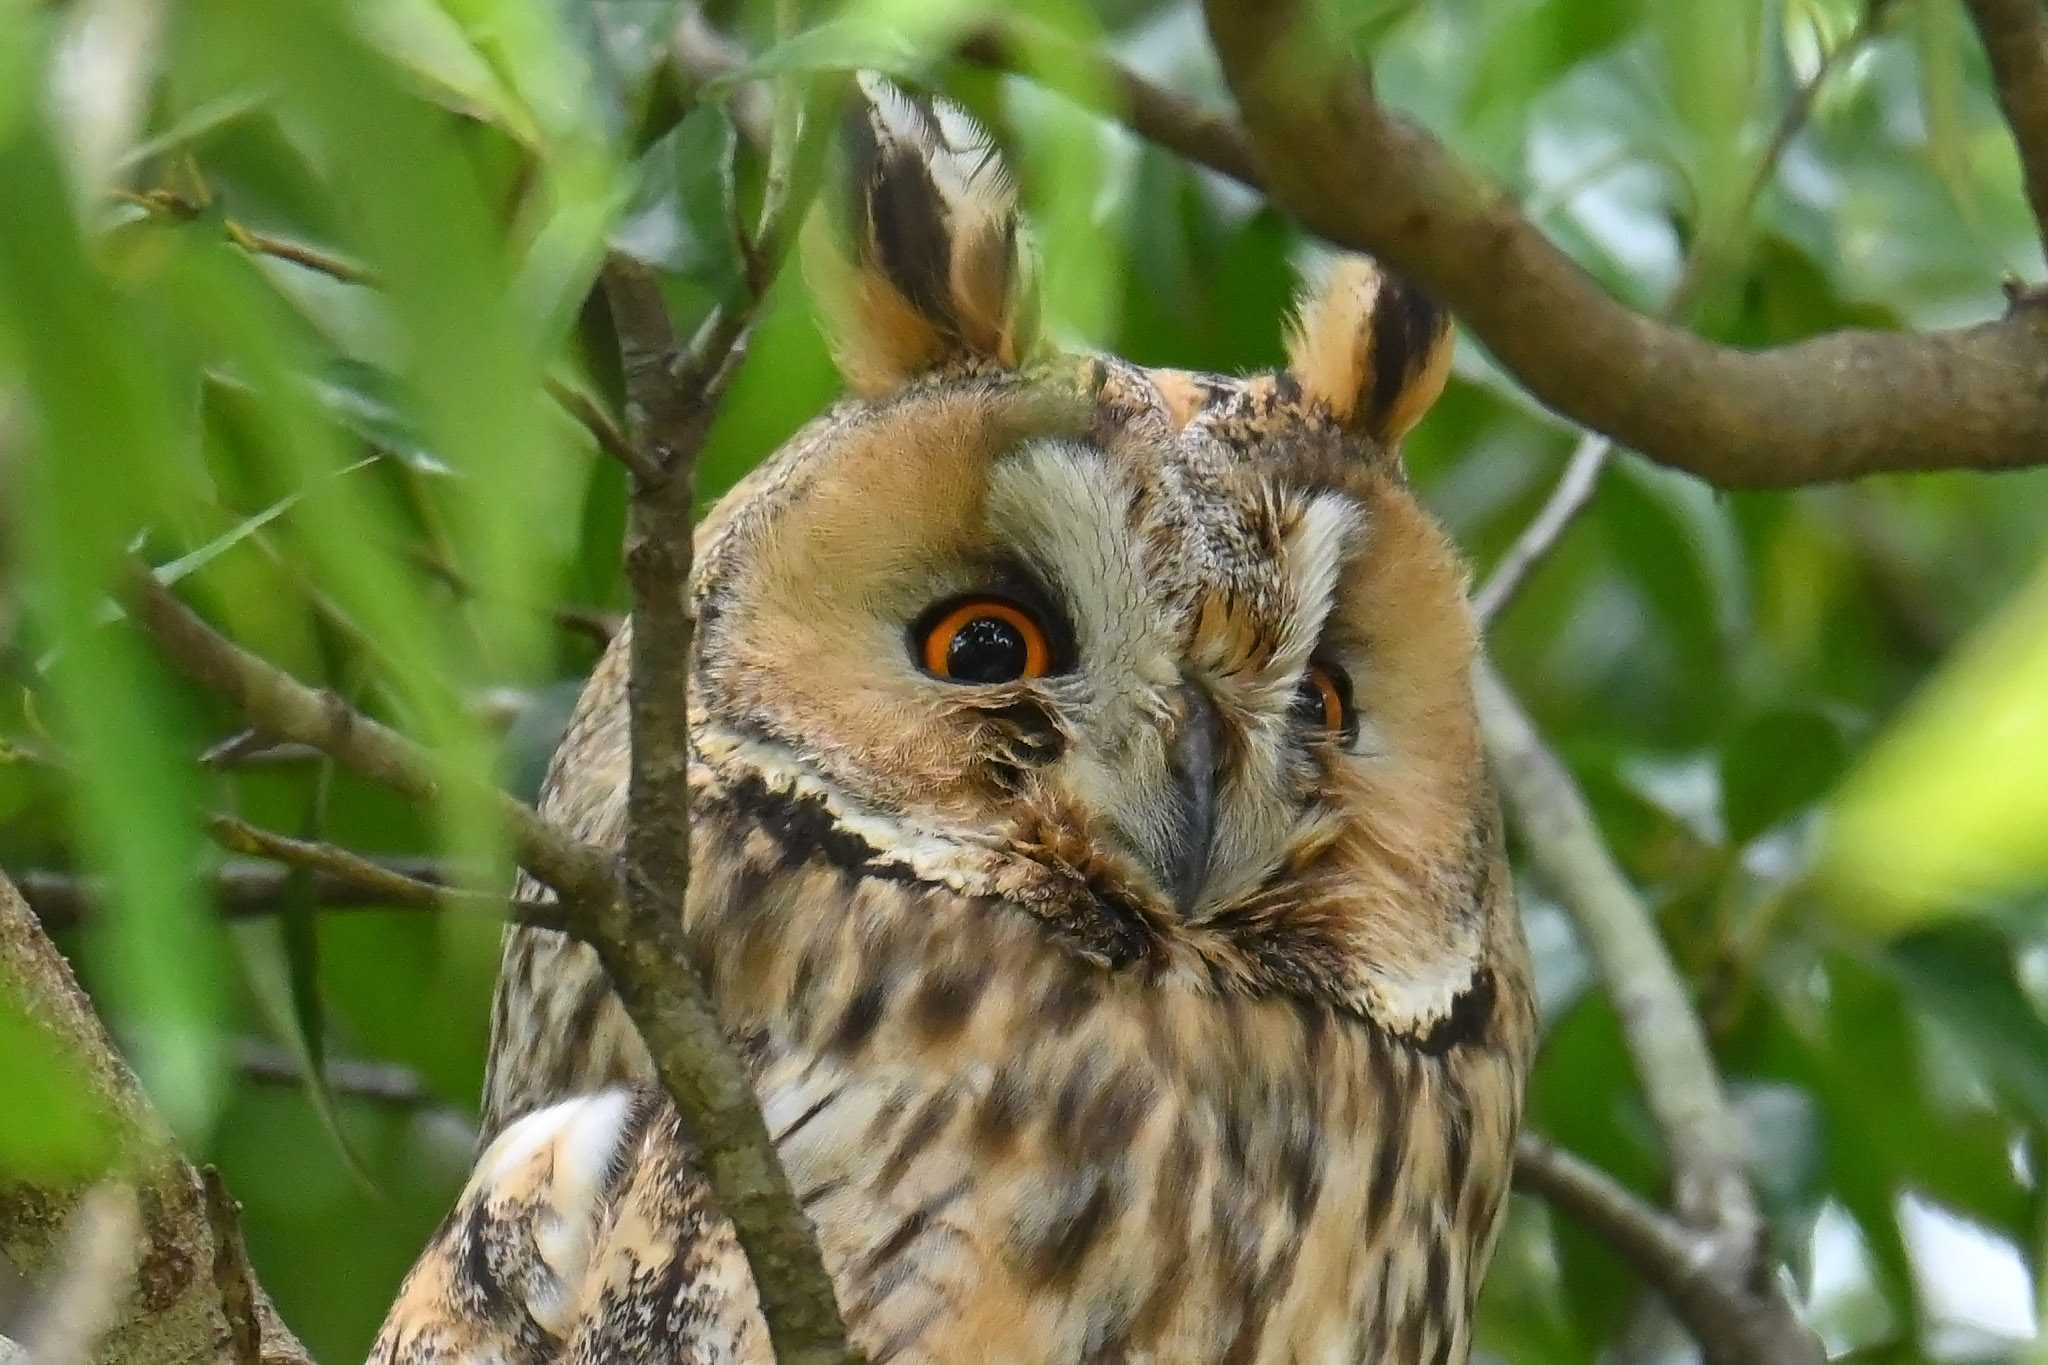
[[279, 288]]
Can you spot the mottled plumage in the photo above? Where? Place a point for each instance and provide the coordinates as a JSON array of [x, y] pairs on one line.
[[1116, 1014]]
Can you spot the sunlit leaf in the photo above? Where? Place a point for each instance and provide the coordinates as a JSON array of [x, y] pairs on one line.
[[1946, 812]]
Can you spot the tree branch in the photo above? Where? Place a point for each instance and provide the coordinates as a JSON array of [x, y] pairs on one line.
[[1678, 1262], [670, 397], [241, 888], [1710, 1188], [372, 1082], [1838, 406], [184, 1253], [2015, 34], [1575, 488], [283, 706], [94, 1275], [1100, 82], [646, 960], [372, 878]]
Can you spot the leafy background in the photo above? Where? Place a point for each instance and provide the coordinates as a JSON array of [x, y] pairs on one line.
[[1814, 724]]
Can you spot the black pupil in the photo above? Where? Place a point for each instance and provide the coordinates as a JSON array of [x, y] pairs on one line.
[[987, 649], [1308, 704]]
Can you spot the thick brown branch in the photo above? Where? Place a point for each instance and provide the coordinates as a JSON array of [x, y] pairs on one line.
[[2015, 34], [185, 1258], [1838, 406]]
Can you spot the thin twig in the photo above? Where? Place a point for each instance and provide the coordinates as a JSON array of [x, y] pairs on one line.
[[593, 418], [2015, 34], [1096, 81], [669, 421], [383, 1083], [251, 748], [1574, 490], [389, 885], [263, 244], [1664, 1036], [1710, 1185], [241, 888], [285, 707], [596, 626], [1589, 460], [672, 394], [169, 204], [1701, 261]]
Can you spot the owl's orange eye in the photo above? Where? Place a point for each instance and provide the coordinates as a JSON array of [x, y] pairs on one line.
[[1323, 701], [985, 640]]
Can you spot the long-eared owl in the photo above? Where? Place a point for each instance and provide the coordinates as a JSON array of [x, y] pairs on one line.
[[1093, 857]]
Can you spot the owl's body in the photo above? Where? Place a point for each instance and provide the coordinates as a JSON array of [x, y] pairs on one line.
[[1106, 998]]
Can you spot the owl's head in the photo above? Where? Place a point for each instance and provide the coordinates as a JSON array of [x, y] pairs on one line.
[[1173, 661]]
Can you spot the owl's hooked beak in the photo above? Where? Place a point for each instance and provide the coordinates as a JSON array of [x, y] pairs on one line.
[[1181, 860]]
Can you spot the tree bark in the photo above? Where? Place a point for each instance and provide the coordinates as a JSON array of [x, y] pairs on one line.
[[193, 1300]]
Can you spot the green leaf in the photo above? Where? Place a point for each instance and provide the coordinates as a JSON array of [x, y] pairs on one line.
[[280, 963], [1777, 764], [1538, 43], [1713, 64], [363, 399], [188, 564], [1945, 814], [1965, 975], [1678, 547], [429, 42], [1941, 38], [108, 449], [854, 44]]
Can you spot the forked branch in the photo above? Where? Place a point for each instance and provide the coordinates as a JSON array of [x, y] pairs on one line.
[[696, 1065]]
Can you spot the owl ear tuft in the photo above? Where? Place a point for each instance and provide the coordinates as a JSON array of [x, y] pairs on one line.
[[1371, 348], [926, 266]]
